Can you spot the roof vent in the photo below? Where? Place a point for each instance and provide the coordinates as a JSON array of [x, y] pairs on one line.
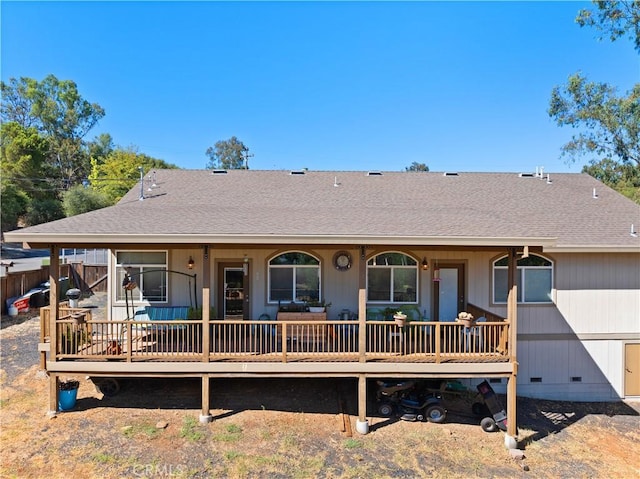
[[527, 175], [219, 172], [450, 173], [297, 172], [374, 173]]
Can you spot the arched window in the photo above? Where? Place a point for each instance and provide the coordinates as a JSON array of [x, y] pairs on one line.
[[392, 278], [294, 276], [534, 279]]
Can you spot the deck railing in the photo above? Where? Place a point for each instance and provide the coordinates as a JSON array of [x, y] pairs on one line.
[[280, 341]]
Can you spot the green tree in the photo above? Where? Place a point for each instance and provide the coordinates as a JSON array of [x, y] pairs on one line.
[[615, 18], [608, 124], [623, 177], [24, 163], [43, 211], [120, 171], [229, 154], [14, 205], [80, 199], [57, 110], [415, 166], [101, 146]]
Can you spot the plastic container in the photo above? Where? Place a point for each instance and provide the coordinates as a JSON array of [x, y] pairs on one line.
[[67, 399]]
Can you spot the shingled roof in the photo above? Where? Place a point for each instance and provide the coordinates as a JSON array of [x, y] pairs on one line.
[[356, 207]]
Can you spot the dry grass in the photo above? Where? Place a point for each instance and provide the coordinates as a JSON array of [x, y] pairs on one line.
[[114, 442]]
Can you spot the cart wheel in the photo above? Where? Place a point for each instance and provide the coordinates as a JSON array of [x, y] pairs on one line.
[[420, 417], [479, 409], [109, 387], [436, 414], [385, 409], [488, 425]]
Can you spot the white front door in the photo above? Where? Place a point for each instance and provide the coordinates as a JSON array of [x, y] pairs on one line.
[[449, 292]]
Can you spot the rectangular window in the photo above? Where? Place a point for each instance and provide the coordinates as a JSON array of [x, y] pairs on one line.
[[404, 285], [537, 284], [281, 284], [379, 284], [147, 272]]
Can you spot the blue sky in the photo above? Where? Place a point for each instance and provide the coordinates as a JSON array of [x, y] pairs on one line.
[[459, 86]]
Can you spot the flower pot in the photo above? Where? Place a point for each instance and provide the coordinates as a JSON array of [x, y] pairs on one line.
[[400, 319], [316, 309], [466, 319], [467, 323]]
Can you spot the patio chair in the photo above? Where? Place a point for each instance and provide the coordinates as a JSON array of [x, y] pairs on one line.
[[474, 335]]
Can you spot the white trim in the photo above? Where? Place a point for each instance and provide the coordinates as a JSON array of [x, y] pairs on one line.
[[150, 238]]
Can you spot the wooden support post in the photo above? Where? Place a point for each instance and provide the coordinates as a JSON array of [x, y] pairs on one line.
[[206, 331], [54, 312], [43, 354], [129, 329], [362, 325], [54, 382], [283, 338], [205, 414], [362, 425], [362, 304], [512, 315]]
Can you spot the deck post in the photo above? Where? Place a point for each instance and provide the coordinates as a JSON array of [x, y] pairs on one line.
[[54, 382], [206, 336], [362, 425], [362, 304], [512, 315], [362, 325], [205, 414], [54, 312]]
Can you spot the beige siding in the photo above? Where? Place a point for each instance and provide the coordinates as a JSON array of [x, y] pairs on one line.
[[599, 293]]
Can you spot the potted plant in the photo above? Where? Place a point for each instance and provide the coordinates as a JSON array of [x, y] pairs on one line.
[[67, 394], [400, 318], [388, 313], [466, 319], [317, 306]]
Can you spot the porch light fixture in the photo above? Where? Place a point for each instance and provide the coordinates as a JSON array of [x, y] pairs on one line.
[[245, 265], [191, 263], [425, 264]]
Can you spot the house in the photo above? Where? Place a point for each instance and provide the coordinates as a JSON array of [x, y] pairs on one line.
[[211, 272]]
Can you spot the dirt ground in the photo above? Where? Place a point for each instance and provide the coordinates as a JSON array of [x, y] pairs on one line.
[[284, 428]]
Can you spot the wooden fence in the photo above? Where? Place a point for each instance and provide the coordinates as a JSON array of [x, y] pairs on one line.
[[85, 277]]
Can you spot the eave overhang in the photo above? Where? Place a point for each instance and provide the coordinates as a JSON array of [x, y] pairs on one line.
[[102, 240]]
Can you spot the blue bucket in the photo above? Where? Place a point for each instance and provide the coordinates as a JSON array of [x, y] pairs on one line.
[[67, 399]]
